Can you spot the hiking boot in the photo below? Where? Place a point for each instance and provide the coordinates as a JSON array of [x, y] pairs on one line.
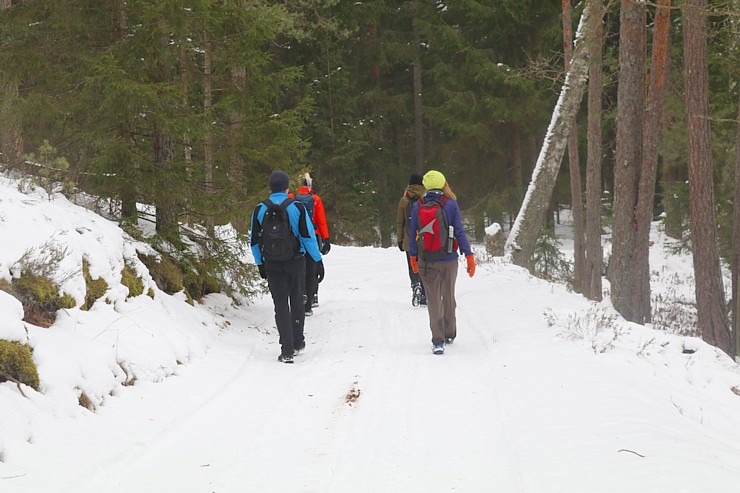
[[315, 301], [438, 348], [285, 358], [416, 295], [298, 347], [308, 312], [449, 340]]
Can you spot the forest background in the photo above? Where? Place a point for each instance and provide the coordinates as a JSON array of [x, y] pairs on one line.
[[188, 105]]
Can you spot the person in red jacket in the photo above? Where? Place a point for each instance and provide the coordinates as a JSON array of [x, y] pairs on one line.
[[315, 207]]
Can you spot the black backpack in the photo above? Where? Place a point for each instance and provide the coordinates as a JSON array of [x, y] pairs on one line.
[[276, 238]]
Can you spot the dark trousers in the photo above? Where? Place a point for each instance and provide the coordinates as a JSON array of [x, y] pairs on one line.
[[312, 283], [439, 279], [285, 280], [415, 278]]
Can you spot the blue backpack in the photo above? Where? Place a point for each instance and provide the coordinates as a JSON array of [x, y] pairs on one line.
[[307, 200]]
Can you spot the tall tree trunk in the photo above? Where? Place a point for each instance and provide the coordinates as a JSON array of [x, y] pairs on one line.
[[11, 139], [516, 157], [594, 252], [523, 236], [127, 190], [166, 203], [208, 137], [736, 242], [579, 241], [648, 175], [630, 106], [418, 110], [710, 293], [735, 261]]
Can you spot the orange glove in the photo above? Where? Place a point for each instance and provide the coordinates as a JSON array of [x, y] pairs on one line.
[[414, 264], [471, 264]]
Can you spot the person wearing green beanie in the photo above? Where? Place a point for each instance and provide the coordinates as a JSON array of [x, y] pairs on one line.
[[438, 269]]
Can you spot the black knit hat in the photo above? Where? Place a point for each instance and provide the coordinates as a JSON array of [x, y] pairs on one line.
[[415, 179], [279, 181]]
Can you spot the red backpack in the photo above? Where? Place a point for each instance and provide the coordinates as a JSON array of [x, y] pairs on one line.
[[436, 237]]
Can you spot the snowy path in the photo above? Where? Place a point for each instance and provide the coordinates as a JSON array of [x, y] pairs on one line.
[[509, 405]]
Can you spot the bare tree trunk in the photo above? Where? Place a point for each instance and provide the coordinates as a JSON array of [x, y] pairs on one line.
[[736, 242], [579, 253], [630, 106], [710, 293], [735, 260], [523, 236], [418, 109], [516, 156], [648, 175], [594, 253], [166, 204]]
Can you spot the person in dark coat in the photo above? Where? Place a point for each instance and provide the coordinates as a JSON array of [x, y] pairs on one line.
[[286, 278], [414, 192]]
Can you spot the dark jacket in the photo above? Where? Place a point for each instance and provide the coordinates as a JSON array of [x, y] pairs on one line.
[[412, 194]]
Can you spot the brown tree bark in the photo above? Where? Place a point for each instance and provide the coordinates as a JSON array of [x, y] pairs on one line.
[[630, 106], [651, 138], [579, 238], [523, 235], [594, 254], [710, 293]]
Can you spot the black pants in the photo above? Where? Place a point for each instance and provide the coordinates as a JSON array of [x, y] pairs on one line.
[[415, 278], [285, 280], [312, 283]]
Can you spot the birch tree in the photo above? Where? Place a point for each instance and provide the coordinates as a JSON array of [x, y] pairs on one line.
[[523, 235]]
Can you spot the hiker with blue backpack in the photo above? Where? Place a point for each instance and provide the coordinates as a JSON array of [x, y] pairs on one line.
[[314, 271], [282, 239], [437, 225], [414, 192]]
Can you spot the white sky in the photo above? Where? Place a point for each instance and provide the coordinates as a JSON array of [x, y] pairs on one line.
[[515, 405]]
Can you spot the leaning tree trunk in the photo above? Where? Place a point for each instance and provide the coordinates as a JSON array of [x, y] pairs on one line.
[[523, 235], [629, 302], [710, 293], [594, 253], [579, 239]]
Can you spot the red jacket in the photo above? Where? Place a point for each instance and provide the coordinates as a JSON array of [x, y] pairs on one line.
[[319, 215]]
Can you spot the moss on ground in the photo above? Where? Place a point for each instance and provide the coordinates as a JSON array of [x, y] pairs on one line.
[[94, 288], [16, 361]]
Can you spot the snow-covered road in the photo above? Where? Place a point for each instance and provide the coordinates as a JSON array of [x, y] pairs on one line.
[[510, 407]]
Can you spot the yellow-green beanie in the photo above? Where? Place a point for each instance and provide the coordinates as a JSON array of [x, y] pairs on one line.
[[433, 180]]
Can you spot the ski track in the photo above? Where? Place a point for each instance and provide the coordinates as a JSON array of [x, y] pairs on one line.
[[364, 337]]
